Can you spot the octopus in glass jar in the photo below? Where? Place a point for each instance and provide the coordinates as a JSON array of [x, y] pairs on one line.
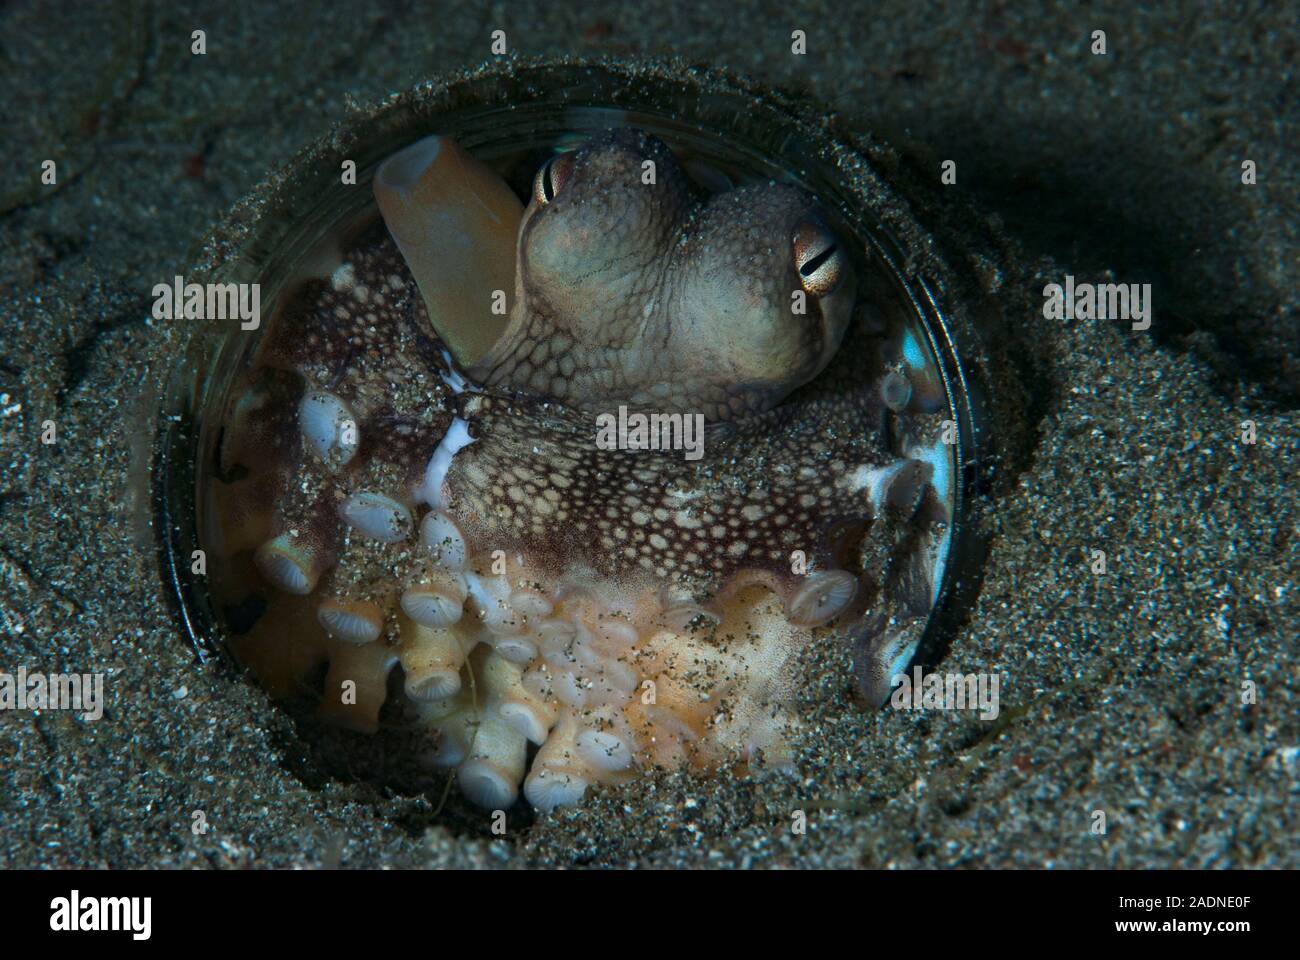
[[410, 477]]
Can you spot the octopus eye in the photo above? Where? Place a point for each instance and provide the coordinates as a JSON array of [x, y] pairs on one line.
[[818, 257], [553, 175]]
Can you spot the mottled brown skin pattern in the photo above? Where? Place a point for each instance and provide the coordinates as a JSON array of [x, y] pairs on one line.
[[379, 356], [766, 489]]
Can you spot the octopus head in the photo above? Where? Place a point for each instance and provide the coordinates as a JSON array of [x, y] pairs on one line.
[[630, 288]]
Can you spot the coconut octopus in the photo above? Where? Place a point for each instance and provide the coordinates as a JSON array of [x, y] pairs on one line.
[[409, 475]]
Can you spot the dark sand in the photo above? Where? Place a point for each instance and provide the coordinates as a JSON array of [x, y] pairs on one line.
[[1121, 693]]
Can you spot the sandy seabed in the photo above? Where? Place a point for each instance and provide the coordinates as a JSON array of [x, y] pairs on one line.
[[1121, 693]]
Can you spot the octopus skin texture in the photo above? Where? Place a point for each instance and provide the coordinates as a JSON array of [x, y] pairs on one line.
[[409, 477]]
